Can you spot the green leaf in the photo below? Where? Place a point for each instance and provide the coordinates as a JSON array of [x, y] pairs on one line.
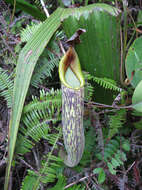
[[139, 18], [126, 146], [25, 66], [115, 163], [122, 155], [134, 62], [101, 176], [29, 182], [28, 8], [99, 47], [60, 183], [138, 106], [137, 97], [97, 170], [118, 158], [111, 168]]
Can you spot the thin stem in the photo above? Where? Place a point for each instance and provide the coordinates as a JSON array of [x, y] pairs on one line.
[[82, 179], [61, 47], [86, 2], [122, 60], [44, 8], [125, 25], [107, 106], [123, 42], [12, 16]]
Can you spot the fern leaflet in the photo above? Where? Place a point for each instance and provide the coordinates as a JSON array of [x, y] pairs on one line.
[[6, 87], [116, 122], [112, 154], [105, 83], [36, 119]]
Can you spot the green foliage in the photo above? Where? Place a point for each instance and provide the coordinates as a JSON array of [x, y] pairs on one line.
[[134, 62], [6, 86], [45, 66], [25, 66], [101, 174], [28, 8], [116, 122], [37, 117], [89, 144], [50, 167], [88, 88], [47, 61], [28, 181], [60, 183], [114, 156], [77, 187], [49, 175], [105, 83], [98, 53], [137, 97], [27, 32], [41, 117]]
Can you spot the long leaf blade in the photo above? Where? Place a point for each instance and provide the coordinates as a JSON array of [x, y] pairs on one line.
[[26, 63]]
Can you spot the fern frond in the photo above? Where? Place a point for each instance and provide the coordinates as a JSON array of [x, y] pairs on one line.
[[113, 155], [46, 99], [50, 165], [60, 183], [105, 83], [27, 32], [116, 122], [29, 181], [50, 174], [43, 69], [46, 64], [48, 60], [6, 87], [37, 3], [37, 118]]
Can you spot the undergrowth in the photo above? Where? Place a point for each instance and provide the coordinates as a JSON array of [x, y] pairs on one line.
[[113, 148]]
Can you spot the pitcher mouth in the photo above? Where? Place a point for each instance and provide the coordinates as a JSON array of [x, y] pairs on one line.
[[70, 70]]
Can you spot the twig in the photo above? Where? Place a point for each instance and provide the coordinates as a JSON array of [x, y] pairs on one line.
[[47, 14], [36, 159], [28, 165], [52, 51], [61, 47], [106, 106], [130, 167], [44, 8], [75, 182]]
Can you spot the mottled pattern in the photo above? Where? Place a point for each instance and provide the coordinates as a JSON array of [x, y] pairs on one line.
[[72, 122]]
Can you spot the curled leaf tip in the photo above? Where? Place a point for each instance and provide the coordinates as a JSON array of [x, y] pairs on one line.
[[75, 38]]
